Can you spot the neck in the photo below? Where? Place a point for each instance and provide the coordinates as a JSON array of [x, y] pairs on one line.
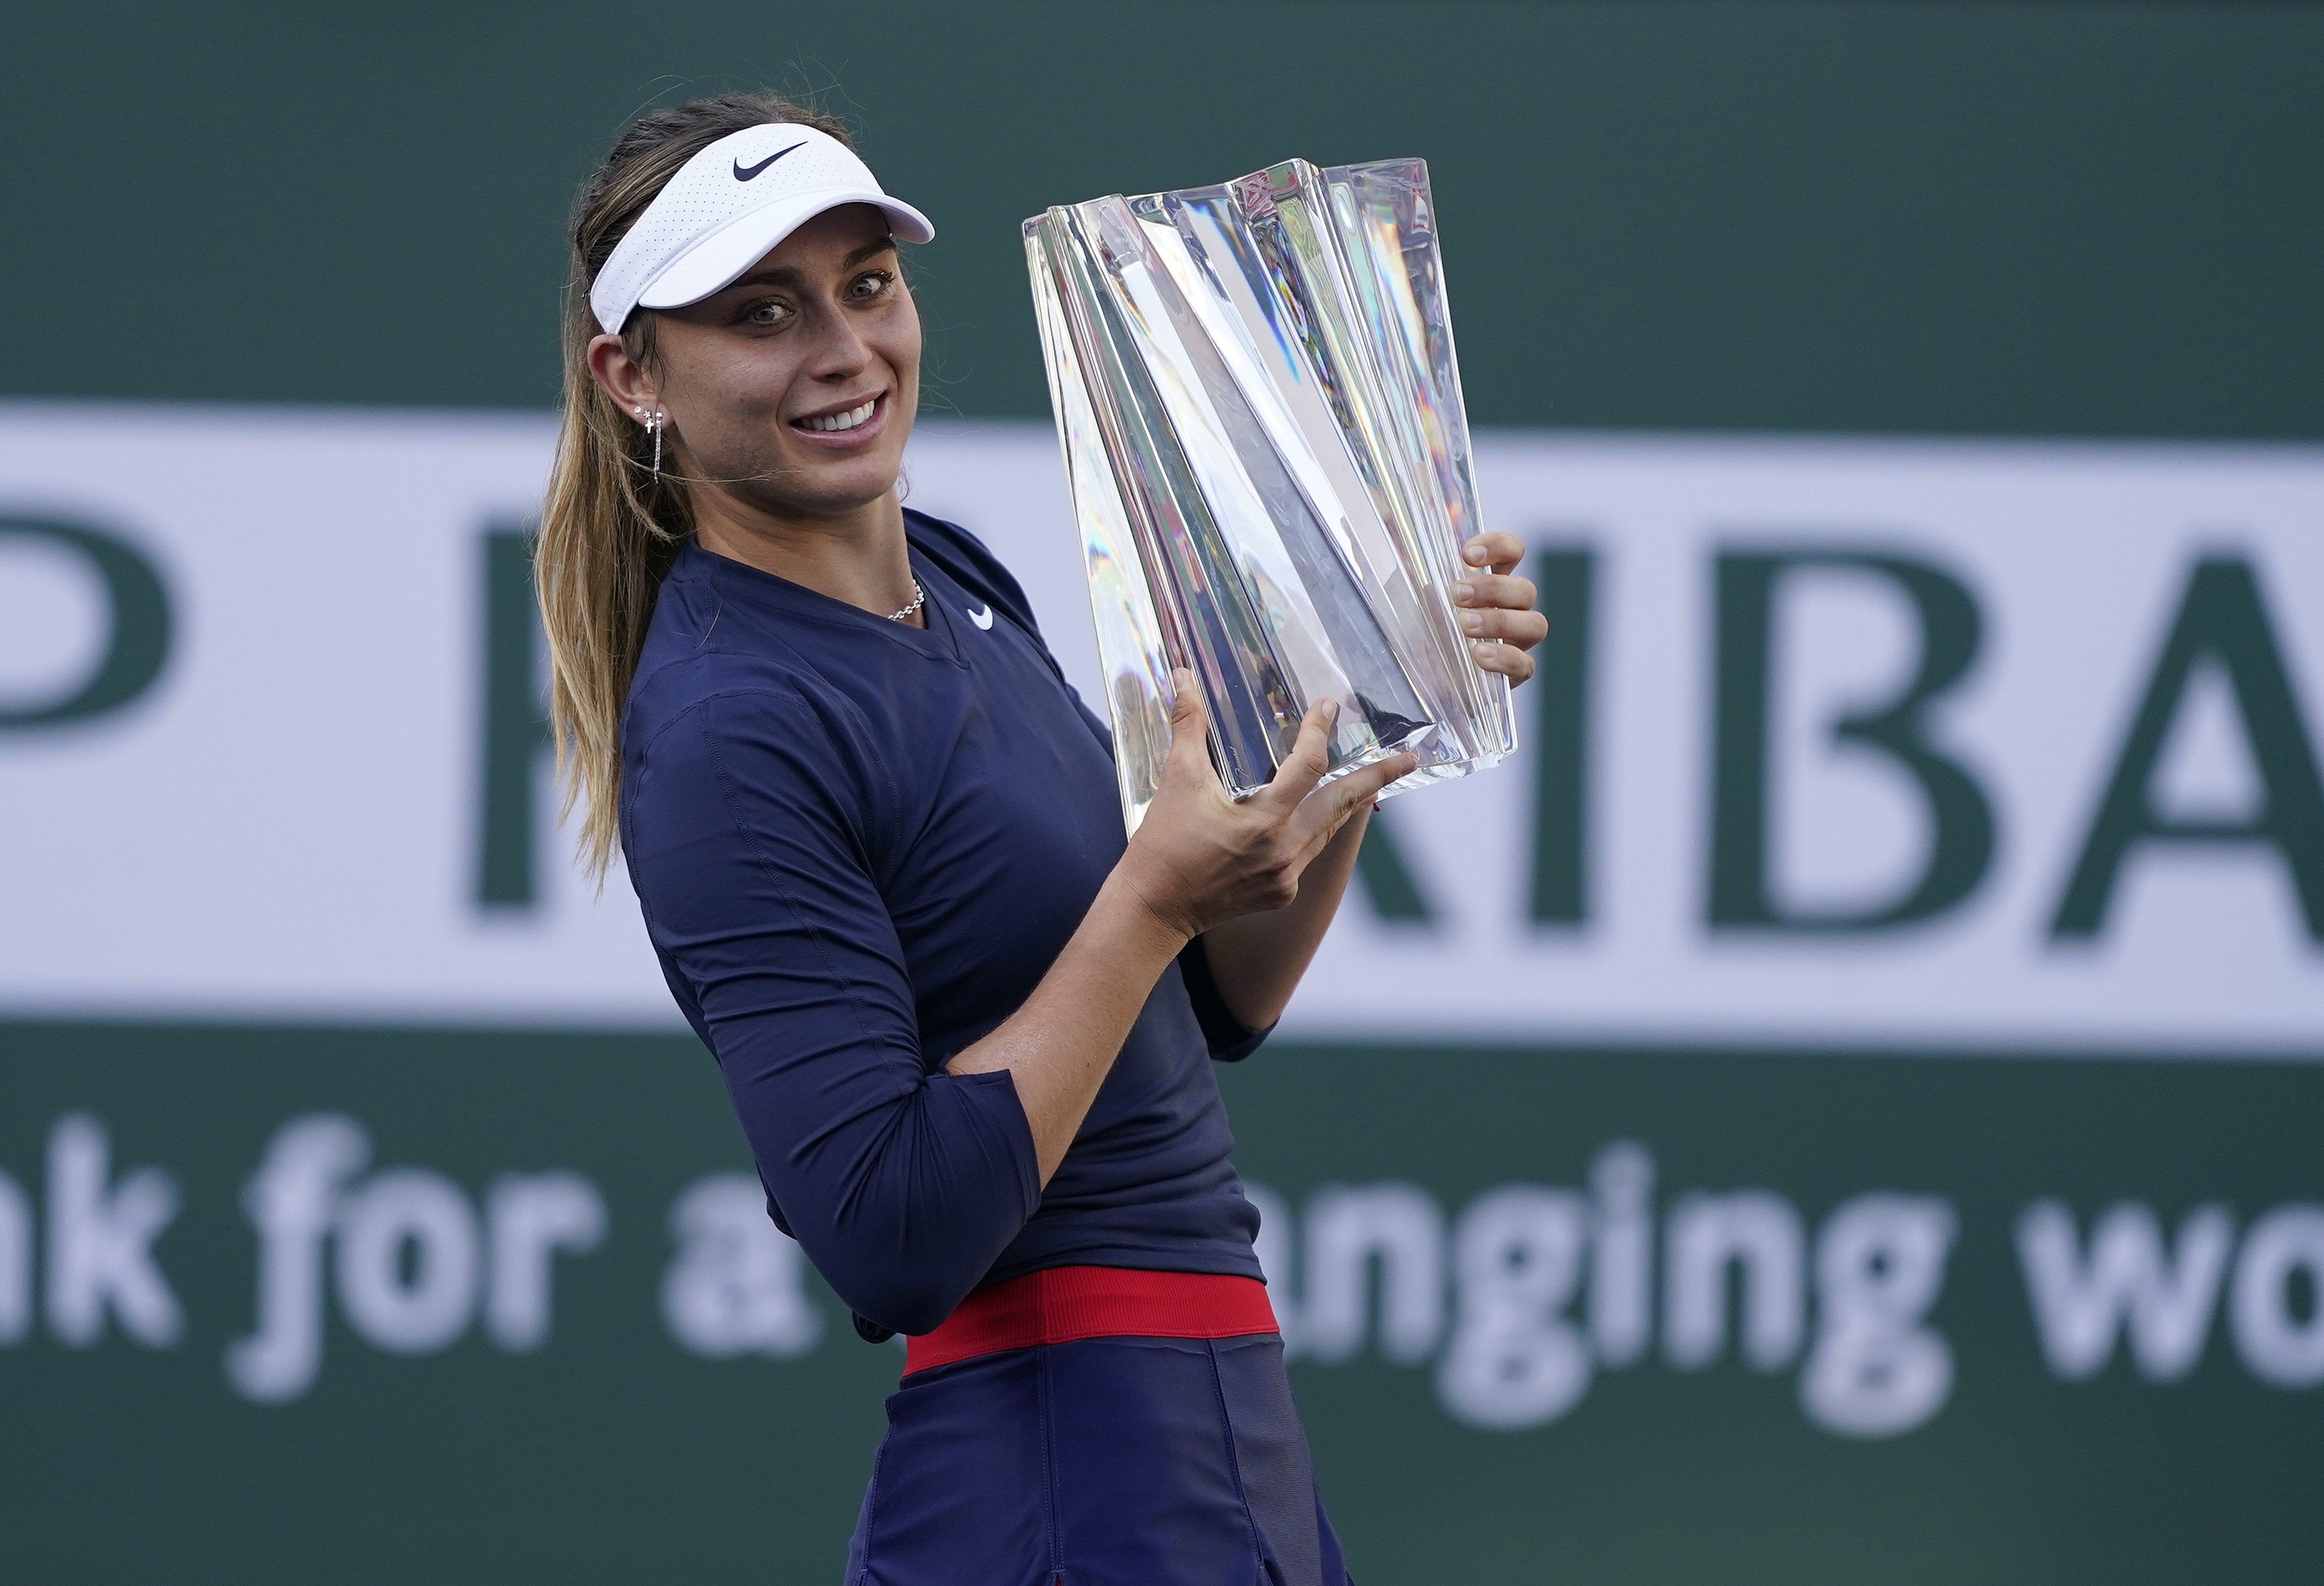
[[858, 556]]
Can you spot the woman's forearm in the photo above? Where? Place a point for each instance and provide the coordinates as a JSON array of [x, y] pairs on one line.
[[1256, 962], [1059, 1046], [1197, 858]]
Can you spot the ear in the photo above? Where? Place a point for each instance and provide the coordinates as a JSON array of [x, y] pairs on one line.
[[622, 377]]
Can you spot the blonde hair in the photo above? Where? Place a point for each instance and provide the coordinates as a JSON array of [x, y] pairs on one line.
[[610, 526]]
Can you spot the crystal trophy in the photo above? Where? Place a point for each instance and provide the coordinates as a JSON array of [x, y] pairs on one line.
[[1260, 413]]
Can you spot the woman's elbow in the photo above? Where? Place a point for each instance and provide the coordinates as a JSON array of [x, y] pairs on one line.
[[905, 1285], [904, 1300]]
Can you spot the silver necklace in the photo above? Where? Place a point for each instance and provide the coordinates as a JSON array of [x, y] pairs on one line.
[[919, 599]]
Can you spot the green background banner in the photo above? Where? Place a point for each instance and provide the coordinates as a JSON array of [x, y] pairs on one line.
[[608, 1452], [1619, 1314], [2087, 218]]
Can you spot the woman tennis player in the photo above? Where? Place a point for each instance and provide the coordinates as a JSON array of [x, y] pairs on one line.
[[967, 1027]]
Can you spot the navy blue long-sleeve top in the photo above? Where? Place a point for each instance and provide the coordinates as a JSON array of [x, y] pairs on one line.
[[859, 846]]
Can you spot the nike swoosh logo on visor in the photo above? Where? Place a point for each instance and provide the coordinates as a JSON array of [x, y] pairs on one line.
[[745, 173]]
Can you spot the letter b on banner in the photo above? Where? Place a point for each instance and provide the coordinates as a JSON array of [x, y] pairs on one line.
[[1961, 821]]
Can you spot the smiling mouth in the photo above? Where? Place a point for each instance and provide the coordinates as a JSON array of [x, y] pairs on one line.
[[825, 423]]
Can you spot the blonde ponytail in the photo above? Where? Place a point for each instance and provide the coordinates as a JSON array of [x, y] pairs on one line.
[[610, 526]]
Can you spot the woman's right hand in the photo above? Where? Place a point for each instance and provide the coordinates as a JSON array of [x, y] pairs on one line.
[[1200, 858]]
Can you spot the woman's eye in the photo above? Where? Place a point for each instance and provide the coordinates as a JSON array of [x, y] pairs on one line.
[[767, 313], [870, 286]]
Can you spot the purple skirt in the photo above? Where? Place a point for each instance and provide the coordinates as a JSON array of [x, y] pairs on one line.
[[1106, 1462]]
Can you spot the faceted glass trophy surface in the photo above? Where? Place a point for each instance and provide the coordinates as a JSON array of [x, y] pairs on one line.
[[1256, 392]]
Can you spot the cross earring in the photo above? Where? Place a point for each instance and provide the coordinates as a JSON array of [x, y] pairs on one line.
[[653, 422]]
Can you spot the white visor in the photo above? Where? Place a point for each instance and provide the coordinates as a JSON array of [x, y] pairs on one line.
[[726, 207]]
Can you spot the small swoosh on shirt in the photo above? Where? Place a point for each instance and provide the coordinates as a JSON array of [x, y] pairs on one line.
[[983, 618]]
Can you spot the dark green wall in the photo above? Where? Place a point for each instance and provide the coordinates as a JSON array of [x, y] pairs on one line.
[[2097, 219], [610, 1455]]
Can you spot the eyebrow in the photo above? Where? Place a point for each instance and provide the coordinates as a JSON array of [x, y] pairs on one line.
[[784, 275]]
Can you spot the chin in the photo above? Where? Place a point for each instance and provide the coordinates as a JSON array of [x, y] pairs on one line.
[[857, 483], [830, 490]]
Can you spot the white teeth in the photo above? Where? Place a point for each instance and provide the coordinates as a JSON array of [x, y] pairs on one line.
[[847, 420]]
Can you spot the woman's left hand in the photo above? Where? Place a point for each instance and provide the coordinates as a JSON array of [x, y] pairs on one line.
[[1495, 606]]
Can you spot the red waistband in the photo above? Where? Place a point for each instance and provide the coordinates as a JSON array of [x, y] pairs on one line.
[[1065, 1303]]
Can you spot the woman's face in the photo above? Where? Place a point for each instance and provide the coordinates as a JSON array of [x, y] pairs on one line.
[[793, 389]]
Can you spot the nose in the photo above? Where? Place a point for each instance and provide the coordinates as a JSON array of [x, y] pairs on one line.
[[837, 352]]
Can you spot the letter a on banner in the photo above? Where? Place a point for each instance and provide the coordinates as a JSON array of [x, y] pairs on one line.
[[2221, 619]]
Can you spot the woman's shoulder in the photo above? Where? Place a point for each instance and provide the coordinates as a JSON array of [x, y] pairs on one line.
[[684, 668], [766, 739]]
